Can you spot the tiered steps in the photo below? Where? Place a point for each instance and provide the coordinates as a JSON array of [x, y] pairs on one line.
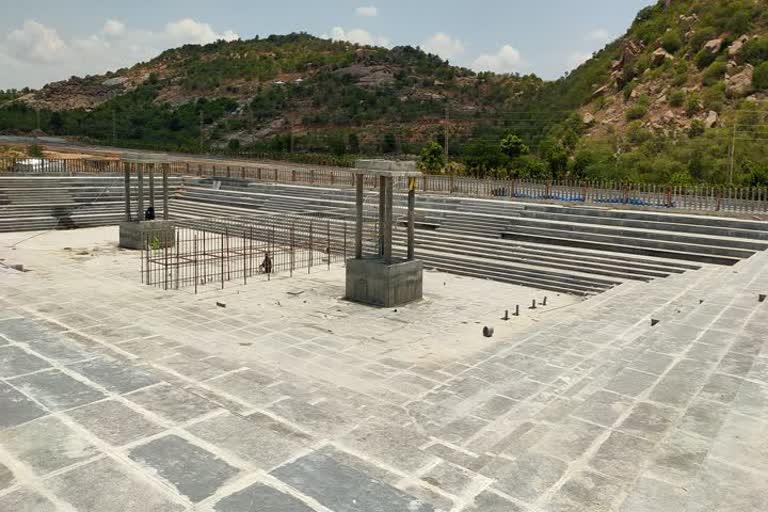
[[566, 249]]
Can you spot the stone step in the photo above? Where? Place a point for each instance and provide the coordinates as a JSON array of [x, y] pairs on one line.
[[618, 246]]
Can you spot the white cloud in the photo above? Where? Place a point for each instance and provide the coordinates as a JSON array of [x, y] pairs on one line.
[[358, 36], [35, 42], [600, 35], [367, 12], [191, 31], [506, 60], [113, 28], [576, 59], [35, 54], [443, 45]]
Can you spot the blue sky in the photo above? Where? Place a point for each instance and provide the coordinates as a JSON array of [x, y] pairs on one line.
[[46, 40]]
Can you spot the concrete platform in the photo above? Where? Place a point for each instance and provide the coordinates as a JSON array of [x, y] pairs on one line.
[[119, 397], [371, 281]]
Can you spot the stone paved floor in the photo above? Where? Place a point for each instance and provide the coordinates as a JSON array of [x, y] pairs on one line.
[[119, 397]]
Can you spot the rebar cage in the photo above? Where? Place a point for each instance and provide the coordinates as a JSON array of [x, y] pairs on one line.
[[214, 253]]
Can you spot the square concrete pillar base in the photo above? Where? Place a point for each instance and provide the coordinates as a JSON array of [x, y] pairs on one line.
[[371, 281], [160, 233]]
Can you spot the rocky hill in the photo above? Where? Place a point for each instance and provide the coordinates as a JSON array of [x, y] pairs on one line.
[[683, 64], [253, 91]]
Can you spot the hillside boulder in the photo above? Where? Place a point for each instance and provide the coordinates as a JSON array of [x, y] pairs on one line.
[[588, 119], [714, 45], [660, 56], [740, 83], [737, 45], [711, 120]]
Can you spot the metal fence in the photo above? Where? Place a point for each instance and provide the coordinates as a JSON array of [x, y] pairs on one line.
[[215, 253], [705, 198]]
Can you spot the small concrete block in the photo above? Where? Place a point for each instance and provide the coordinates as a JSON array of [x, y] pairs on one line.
[[527, 477], [195, 472], [621, 456], [172, 402], [259, 438], [260, 497], [26, 500], [115, 375], [105, 485], [345, 489], [6, 477], [47, 445], [114, 422], [56, 390], [488, 501], [649, 421], [15, 408], [14, 361], [586, 491]]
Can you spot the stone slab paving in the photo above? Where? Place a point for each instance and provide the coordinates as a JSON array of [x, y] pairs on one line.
[[118, 397]]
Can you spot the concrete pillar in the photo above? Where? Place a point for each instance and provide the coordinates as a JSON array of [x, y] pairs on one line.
[[127, 170], [382, 208], [411, 217], [140, 200], [165, 191], [152, 186], [359, 216], [388, 222]]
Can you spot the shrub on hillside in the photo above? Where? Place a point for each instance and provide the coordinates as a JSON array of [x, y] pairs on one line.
[[755, 51], [637, 111], [760, 77], [714, 97], [697, 128], [714, 73], [692, 104], [704, 58], [671, 41], [677, 98]]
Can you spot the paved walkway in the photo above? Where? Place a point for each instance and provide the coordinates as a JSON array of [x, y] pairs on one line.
[[119, 397]]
